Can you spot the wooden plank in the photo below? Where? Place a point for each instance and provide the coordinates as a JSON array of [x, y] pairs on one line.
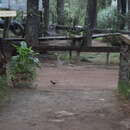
[[69, 48], [125, 38], [105, 35], [63, 37], [7, 13], [82, 28]]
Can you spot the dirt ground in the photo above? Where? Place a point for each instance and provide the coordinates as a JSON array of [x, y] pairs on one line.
[[67, 97]]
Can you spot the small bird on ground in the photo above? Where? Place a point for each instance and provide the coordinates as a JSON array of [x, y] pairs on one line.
[[53, 82]]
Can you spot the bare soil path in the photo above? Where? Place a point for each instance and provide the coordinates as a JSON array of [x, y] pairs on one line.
[[68, 97]]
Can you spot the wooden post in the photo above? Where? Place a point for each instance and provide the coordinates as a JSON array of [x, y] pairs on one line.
[[71, 52], [78, 57], [124, 72], [78, 42], [70, 55], [124, 63], [107, 55], [107, 58]]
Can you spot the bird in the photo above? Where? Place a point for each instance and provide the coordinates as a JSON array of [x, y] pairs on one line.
[[53, 82]]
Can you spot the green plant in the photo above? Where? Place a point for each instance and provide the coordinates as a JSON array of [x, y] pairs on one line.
[[71, 17], [124, 89], [109, 18], [22, 67]]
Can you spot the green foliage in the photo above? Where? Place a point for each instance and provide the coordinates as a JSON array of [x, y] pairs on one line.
[[19, 16], [71, 9], [71, 17], [109, 18], [103, 4], [124, 88], [23, 66]]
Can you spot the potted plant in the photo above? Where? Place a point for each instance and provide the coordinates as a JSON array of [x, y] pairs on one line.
[[22, 67]]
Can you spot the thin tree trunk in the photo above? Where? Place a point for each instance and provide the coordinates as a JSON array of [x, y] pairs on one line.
[[32, 23], [3, 60], [128, 22], [60, 12], [46, 16], [121, 7], [124, 73], [90, 21]]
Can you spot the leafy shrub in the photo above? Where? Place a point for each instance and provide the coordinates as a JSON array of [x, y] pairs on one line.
[[124, 89], [23, 66], [71, 17], [109, 18]]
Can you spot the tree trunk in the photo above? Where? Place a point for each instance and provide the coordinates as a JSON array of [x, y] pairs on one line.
[[121, 7], [3, 60], [32, 23], [90, 21], [60, 12], [46, 16], [128, 21], [124, 74]]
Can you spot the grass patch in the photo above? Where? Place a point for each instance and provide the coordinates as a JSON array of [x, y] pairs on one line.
[[124, 89], [114, 58], [89, 57], [99, 39], [100, 57], [63, 56]]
